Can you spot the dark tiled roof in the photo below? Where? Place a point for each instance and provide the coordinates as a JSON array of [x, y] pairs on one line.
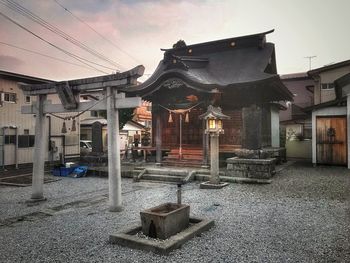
[[240, 62], [329, 67]]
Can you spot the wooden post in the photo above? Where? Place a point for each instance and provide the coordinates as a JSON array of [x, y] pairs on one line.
[[158, 137], [39, 151], [114, 174]]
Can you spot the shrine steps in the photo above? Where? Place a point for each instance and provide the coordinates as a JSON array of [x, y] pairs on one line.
[[165, 175], [190, 158]]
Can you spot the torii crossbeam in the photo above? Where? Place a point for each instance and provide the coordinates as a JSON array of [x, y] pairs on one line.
[[68, 92]]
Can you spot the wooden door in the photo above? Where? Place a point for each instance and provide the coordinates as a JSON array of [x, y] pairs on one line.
[[331, 140]]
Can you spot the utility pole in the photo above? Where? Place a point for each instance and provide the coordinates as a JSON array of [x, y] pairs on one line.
[[310, 58]]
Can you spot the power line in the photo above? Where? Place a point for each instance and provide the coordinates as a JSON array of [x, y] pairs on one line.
[[35, 18], [80, 59], [44, 55], [86, 24]]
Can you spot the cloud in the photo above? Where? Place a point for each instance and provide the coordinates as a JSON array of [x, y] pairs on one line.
[[9, 63]]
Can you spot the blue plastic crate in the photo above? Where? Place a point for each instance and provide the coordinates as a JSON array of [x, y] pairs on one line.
[[62, 171]]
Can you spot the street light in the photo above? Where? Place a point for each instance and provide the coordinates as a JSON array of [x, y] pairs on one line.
[[214, 127]]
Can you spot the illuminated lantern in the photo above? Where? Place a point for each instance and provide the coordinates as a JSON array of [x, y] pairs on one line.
[[214, 117]]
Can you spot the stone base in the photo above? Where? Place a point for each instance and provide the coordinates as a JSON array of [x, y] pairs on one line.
[[251, 168], [208, 185], [115, 209], [35, 200], [129, 239]]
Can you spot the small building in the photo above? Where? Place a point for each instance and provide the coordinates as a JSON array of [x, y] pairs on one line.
[[296, 127], [330, 114], [17, 130], [126, 134], [238, 74]]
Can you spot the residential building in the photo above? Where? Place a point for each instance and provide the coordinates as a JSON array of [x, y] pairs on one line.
[[330, 114], [296, 128], [18, 130]]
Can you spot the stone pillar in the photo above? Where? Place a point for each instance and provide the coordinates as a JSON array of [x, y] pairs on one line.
[[251, 126], [114, 175], [41, 144], [214, 158], [205, 146], [158, 137], [96, 137], [348, 126]]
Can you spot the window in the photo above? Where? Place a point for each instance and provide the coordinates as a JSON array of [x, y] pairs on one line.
[[26, 131], [327, 86], [94, 113], [25, 141], [10, 97], [27, 99], [10, 139]]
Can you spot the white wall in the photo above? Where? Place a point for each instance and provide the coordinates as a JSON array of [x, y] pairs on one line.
[[275, 127]]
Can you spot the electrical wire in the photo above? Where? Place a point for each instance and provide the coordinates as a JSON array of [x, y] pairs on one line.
[[44, 55], [35, 18], [94, 30], [80, 59]]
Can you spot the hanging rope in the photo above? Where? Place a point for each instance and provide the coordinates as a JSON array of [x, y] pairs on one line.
[[180, 111], [80, 113]]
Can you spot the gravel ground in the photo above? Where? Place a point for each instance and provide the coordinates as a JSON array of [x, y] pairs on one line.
[[303, 216]]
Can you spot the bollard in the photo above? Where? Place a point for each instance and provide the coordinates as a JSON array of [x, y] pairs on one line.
[[179, 194]]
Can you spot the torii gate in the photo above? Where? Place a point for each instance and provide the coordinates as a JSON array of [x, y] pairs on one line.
[[68, 92]]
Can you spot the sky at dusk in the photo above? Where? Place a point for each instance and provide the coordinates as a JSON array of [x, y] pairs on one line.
[[137, 29]]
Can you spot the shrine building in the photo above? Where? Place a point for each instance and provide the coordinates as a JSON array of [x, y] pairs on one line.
[[237, 74]]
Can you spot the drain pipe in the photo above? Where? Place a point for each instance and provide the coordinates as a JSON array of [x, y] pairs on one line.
[[16, 150], [179, 201], [3, 147]]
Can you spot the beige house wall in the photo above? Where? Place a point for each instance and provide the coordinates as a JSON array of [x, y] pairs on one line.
[[10, 115], [328, 76]]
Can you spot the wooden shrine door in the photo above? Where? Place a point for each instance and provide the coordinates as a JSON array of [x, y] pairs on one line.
[[331, 140]]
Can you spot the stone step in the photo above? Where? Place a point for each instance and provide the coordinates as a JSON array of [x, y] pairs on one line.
[[188, 151], [183, 163], [159, 182], [229, 179], [162, 177], [184, 157], [165, 171]]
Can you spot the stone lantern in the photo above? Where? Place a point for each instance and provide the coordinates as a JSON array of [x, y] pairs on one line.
[[214, 127]]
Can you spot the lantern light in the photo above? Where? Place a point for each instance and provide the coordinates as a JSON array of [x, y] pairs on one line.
[[214, 117], [219, 124], [211, 123]]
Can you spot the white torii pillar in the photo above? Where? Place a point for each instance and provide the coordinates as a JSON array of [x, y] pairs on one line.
[[114, 173], [39, 151]]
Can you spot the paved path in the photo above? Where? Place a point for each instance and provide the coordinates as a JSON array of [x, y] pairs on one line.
[[303, 216]]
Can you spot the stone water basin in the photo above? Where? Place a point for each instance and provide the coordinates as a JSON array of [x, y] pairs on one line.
[[165, 220]]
